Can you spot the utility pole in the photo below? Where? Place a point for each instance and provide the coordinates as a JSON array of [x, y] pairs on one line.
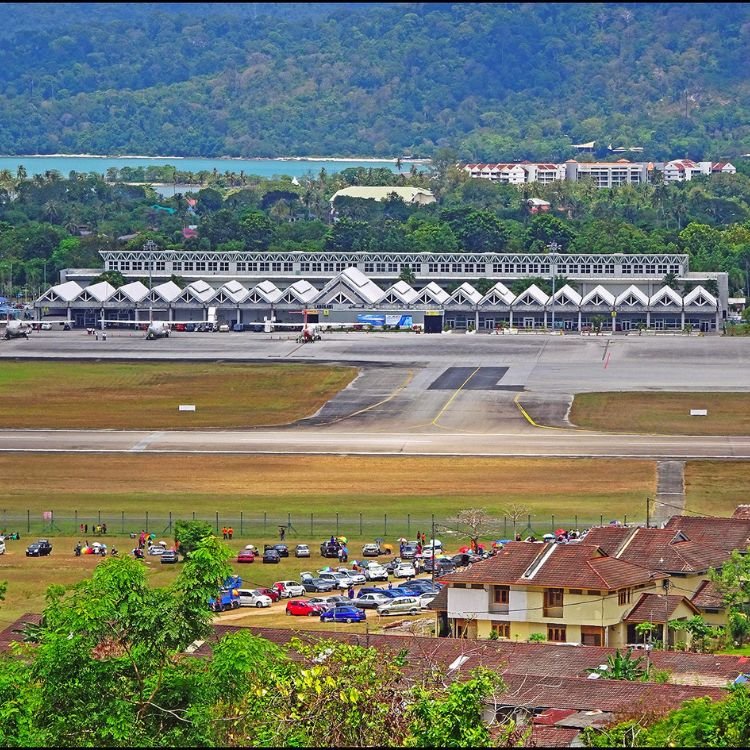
[[432, 544], [149, 247], [648, 513], [553, 248]]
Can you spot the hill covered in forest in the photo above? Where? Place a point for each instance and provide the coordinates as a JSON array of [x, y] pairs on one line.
[[500, 81]]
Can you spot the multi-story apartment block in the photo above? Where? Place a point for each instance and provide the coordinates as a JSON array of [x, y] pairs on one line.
[[683, 170], [608, 174]]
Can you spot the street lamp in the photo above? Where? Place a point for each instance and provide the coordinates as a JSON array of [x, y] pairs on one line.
[[149, 247], [553, 247]]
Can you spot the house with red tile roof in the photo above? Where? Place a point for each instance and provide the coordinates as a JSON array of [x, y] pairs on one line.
[[569, 593]]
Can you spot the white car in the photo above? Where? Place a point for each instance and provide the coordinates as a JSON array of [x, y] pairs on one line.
[[354, 575], [46, 327], [376, 572], [340, 580], [302, 550], [371, 601], [401, 605], [426, 598], [404, 570], [2, 546], [224, 328], [157, 549], [249, 598], [288, 589]]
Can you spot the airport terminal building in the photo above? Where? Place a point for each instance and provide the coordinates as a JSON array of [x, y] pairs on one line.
[[243, 289]]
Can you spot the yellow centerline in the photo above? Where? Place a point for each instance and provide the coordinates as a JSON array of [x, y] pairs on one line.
[[450, 400]]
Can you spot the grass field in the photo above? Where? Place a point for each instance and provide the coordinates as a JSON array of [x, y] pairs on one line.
[[146, 395], [716, 487], [663, 413]]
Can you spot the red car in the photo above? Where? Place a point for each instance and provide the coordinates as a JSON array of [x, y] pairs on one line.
[[303, 608], [272, 594], [245, 556]]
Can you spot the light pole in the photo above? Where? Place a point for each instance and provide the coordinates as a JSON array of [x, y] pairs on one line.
[[149, 247], [553, 247]]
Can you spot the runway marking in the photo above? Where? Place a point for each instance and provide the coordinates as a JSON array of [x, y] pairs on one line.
[[528, 418], [407, 380], [141, 445], [450, 400]]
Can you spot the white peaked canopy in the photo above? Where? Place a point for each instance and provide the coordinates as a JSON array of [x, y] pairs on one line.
[[631, 296], [532, 296], [66, 292], [700, 298], [135, 292], [433, 293], [599, 296], [169, 291], [232, 291], [198, 290], [301, 291], [567, 296], [498, 295], [266, 291], [350, 286], [466, 295], [666, 297], [100, 292], [400, 292]]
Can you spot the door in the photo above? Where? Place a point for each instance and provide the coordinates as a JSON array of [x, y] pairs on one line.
[[528, 322], [433, 323]]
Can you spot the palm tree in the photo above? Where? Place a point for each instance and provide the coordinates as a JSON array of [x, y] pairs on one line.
[[621, 667], [21, 173]]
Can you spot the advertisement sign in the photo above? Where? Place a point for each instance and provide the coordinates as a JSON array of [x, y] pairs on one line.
[[402, 321], [382, 319], [373, 319]]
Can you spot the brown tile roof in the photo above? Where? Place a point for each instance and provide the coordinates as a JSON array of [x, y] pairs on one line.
[[564, 565], [8, 635], [657, 608], [742, 512], [708, 597], [609, 538], [544, 736], [726, 534], [440, 602]]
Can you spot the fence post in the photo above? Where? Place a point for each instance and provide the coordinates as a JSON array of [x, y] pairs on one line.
[[576, 523], [505, 527], [170, 521], [147, 521], [385, 524], [75, 517], [193, 515], [528, 522], [99, 517], [311, 525], [625, 522], [337, 524], [241, 520], [288, 521], [122, 522], [408, 524], [553, 529], [28, 521], [265, 519], [601, 520], [217, 521], [360, 524]]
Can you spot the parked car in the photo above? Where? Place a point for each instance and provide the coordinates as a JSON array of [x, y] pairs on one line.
[[425, 598], [282, 549], [402, 605], [320, 600], [272, 594], [340, 580], [288, 589], [303, 608], [246, 556], [39, 548], [404, 570], [343, 613], [372, 600], [251, 598], [356, 577], [369, 590], [371, 549], [169, 557], [302, 550], [329, 549], [335, 601], [157, 549], [374, 571], [409, 551], [317, 585], [397, 592], [271, 556], [223, 327], [442, 565], [2, 546], [46, 326]]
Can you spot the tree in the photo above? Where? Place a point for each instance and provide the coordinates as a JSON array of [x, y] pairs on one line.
[[256, 230], [407, 275], [621, 666], [516, 512], [474, 523], [189, 534]]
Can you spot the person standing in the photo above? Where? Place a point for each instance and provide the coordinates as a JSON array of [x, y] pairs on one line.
[[350, 593], [230, 532]]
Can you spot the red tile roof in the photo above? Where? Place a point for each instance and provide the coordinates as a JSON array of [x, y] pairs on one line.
[[726, 534], [657, 608], [542, 736], [564, 565], [708, 597], [742, 512]]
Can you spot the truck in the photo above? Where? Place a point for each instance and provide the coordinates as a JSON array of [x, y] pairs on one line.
[[228, 596]]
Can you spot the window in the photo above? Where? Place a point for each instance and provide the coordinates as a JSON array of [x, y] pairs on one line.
[[591, 636], [623, 596], [591, 592], [177, 265], [200, 266], [501, 594], [556, 633], [213, 265], [241, 266], [224, 265], [502, 629], [575, 591], [553, 603], [161, 265]]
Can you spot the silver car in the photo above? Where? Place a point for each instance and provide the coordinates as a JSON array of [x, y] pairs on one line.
[[250, 598], [402, 605]]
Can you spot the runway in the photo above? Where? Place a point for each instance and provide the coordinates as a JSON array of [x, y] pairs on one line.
[[441, 395], [535, 443]]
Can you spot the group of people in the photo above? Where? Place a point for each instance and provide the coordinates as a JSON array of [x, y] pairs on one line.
[[92, 549], [342, 551], [227, 532], [99, 528], [13, 535]]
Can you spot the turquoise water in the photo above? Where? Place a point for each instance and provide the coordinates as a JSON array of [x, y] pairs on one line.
[[261, 167]]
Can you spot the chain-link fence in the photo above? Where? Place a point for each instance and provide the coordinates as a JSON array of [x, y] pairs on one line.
[[302, 526]]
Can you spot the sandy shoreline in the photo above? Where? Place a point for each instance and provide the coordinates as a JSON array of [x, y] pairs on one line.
[[345, 159]]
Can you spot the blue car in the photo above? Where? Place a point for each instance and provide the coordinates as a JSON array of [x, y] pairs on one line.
[[345, 613]]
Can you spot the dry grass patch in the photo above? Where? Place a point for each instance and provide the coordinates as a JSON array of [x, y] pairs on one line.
[[663, 413], [145, 395], [716, 487], [322, 484]]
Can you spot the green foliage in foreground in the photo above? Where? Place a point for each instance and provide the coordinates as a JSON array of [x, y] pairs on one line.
[[699, 723], [108, 668]]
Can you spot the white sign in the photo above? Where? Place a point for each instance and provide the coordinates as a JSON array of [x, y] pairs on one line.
[[186, 407], [699, 412]]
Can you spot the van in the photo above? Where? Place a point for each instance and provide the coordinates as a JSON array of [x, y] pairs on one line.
[[402, 605]]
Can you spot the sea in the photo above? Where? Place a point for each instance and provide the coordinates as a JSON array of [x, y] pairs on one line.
[[291, 167]]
